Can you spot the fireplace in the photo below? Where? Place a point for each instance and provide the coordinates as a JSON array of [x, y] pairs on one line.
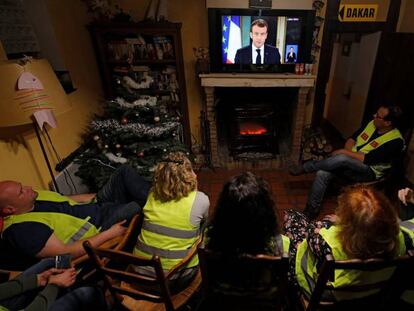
[[252, 129], [254, 123], [254, 120]]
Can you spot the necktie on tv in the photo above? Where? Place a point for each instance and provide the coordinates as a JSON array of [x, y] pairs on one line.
[[258, 58]]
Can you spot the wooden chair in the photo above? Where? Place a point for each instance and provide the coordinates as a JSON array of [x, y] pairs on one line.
[[243, 282], [385, 293], [119, 243], [134, 291]]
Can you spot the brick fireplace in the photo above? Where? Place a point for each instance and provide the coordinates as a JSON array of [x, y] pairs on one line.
[[257, 124]]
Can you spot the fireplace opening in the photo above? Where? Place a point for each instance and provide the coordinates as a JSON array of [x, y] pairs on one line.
[[254, 122]]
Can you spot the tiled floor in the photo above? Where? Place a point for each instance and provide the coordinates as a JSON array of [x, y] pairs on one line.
[[289, 192]]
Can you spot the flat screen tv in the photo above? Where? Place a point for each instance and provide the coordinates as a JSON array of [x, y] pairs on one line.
[[233, 39]]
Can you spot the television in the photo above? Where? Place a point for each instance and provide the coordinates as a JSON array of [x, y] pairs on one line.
[[290, 31]]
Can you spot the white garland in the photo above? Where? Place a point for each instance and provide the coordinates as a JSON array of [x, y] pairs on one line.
[[136, 128], [144, 101]]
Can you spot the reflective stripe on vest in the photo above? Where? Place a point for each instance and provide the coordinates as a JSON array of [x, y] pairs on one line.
[[364, 137], [282, 243], [176, 233], [67, 228], [408, 226], [167, 231], [81, 232]]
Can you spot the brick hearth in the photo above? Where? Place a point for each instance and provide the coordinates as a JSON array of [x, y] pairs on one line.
[[304, 84]]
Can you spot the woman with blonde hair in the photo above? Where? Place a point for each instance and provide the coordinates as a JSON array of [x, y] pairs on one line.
[[366, 225], [173, 215]]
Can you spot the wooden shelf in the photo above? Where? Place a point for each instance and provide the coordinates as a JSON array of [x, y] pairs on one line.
[[102, 35]]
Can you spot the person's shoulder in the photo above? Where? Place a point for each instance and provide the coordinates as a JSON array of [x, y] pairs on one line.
[[202, 195], [271, 47], [245, 48]]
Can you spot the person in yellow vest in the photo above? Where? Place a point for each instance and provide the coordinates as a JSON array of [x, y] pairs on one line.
[[366, 156], [173, 217], [39, 224], [244, 220], [366, 225]]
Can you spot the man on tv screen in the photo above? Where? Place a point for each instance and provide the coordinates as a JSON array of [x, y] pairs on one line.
[[258, 52]]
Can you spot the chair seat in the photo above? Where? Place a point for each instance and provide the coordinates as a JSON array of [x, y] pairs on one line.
[[178, 300]]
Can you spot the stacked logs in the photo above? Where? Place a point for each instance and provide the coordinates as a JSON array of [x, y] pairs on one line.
[[315, 146]]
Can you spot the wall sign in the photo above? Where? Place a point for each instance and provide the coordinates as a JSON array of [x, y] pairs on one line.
[[358, 12]]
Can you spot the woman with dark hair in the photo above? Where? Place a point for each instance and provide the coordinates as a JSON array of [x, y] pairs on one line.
[[366, 225], [173, 216], [245, 221]]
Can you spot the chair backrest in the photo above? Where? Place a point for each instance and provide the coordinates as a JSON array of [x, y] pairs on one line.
[[367, 289], [243, 281], [113, 276]]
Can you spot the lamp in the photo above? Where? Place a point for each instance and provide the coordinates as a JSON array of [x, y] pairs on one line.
[[31, 93]]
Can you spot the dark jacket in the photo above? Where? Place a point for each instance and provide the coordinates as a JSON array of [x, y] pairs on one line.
[[244, 55]]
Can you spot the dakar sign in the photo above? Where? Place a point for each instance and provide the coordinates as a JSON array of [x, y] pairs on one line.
[[358, 12]]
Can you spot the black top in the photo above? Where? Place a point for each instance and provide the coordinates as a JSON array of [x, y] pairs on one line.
[[385, 153]]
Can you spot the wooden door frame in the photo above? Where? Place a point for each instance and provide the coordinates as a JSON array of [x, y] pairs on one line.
[[332, 27]]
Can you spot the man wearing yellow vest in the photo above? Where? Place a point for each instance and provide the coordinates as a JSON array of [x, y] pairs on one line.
[[366, 156], [40, 224]]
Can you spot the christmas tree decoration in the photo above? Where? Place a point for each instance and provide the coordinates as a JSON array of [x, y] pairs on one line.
[[144, 139]]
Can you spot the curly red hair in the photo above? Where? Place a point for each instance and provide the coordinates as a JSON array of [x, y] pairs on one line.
[[368, 222]]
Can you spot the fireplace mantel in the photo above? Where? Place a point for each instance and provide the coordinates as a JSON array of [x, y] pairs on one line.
[[304, 84], [256, 80]]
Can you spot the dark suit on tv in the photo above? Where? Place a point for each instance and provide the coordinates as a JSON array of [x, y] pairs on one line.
[[244, 55]]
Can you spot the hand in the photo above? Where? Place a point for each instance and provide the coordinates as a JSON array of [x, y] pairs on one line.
[[43, 277], [64, 279], [406, 196], [117, 229], [331, 217]]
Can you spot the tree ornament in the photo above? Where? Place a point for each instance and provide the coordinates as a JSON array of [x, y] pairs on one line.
[[117, 146], [106, 146], [165, 150], [174, 134], [140, 154], [96, 138], [137, 114], [124, 120], [157, 119]]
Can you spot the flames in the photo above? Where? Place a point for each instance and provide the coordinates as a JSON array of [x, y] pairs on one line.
[[251, 128]]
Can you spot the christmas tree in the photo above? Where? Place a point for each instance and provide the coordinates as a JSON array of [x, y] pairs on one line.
[[135, 129]]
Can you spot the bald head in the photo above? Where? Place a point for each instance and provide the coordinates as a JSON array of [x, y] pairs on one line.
[[15, 198]]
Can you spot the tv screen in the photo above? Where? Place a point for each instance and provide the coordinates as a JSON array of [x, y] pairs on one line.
[[244, 39]]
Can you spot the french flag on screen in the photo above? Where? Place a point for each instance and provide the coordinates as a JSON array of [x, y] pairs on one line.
[[231, 40]]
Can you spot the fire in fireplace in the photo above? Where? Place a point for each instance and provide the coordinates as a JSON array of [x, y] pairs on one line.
[[252, 128]]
